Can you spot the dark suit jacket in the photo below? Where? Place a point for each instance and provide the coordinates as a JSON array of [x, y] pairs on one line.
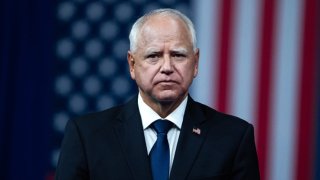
[[110, 145]]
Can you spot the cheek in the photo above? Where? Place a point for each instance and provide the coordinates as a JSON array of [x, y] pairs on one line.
[[188, 72], [145, 74]]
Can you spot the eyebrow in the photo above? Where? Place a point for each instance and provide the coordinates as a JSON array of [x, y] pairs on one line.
[[152, 50], [174, 50], [180, 50]]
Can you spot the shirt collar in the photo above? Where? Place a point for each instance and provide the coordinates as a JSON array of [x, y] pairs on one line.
[[148, 115]]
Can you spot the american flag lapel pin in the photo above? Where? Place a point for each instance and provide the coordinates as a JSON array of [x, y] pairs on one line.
[[196, 130]]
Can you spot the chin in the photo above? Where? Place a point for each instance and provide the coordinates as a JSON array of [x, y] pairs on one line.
[[167, 98]]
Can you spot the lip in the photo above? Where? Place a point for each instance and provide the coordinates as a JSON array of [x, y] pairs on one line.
[[166, 82]]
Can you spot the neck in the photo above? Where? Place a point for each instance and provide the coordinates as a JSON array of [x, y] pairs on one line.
[[163, 108]]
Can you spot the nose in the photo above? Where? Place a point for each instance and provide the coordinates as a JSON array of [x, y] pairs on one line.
[[166, 67]]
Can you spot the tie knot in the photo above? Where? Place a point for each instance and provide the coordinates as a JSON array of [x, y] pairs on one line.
[[162, 126]]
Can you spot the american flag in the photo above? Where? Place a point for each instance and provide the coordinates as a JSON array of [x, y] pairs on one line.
[[259, 60]]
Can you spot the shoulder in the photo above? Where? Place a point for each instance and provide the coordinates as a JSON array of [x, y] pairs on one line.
[[105, 120], [96, 121], [108, 116], [222, 127], [219, 120], [100, 116]]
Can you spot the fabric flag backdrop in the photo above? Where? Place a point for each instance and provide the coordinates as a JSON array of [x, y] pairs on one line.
[[260, 61], [257, 61]]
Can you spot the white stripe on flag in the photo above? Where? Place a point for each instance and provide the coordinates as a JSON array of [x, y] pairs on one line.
[[206, 15], [283, 119], [243, 69]]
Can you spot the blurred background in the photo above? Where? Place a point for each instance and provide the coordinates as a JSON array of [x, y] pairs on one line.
[[259, 60]]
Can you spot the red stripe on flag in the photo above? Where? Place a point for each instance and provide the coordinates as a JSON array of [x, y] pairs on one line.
[[264, 95], [306, 111], [224, 55]]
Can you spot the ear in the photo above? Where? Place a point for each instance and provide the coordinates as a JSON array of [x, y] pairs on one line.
[[196, 64], [131, 64]]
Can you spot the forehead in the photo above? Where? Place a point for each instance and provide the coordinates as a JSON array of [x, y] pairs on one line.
[[164, 28]]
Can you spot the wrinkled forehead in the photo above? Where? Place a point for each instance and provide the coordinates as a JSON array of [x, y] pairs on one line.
[[164, 28]]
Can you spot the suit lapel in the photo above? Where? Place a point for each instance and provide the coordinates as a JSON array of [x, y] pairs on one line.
[[192, 136], [129, 130]]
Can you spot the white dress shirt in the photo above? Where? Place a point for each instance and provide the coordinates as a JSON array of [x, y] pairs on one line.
[[148, 116]]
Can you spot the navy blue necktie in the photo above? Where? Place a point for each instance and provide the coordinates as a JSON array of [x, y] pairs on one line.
[[160, 155]]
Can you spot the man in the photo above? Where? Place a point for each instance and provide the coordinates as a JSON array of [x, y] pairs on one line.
[[124, 142]]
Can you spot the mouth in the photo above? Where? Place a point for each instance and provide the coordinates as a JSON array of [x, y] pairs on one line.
[[166, 82], [167, 85]]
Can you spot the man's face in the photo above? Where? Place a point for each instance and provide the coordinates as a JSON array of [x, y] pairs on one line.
[[164, 63]]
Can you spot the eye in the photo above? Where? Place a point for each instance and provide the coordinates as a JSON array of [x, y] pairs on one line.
[[178, 56], [153, 56]]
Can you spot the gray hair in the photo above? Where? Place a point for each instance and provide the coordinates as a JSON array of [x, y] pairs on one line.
[[133, 36]]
